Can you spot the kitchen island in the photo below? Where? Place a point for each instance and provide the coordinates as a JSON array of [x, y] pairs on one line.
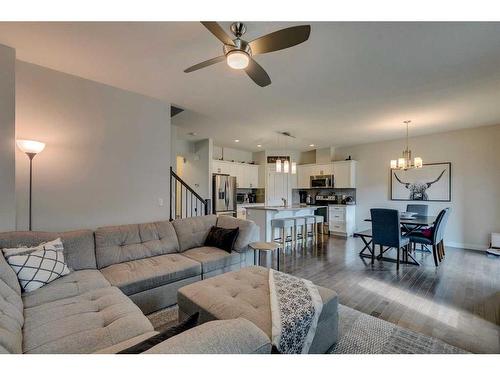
[[262, 216]]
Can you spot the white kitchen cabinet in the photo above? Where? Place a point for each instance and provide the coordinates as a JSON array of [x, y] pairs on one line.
[[341, 220], [344, 173], [247, 175], [222, 167], [322, 169], [304, 173], [252, 176]]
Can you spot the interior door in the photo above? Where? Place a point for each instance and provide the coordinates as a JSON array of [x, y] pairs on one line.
[[278, 186]]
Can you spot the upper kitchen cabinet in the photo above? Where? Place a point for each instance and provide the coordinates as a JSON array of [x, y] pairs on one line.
[[322, 169], [304, 173], [344, 173], [221, 167], [247, 175]]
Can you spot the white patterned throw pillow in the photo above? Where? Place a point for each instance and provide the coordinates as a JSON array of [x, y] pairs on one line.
[[39, 265]]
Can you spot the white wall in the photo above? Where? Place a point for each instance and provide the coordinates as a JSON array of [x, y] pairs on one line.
[[232, 154], [7, 138], [107, 156], [475, 158]]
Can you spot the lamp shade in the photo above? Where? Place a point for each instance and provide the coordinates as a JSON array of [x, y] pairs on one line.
[[286, 166], [237, 59], [294, 167], [29, 146]]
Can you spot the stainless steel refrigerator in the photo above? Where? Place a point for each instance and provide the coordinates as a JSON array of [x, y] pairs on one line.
[[224, 194]]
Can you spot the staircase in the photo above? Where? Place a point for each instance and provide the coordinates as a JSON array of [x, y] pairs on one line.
[[184, 201]]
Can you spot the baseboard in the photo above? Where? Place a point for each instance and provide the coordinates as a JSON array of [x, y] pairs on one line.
[[467, 246]]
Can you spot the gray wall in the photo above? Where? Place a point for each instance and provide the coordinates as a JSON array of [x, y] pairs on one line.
[[107, 152], [475, 162], [7, 138]]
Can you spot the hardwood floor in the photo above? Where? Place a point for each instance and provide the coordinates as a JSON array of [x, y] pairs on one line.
[[458, 302]]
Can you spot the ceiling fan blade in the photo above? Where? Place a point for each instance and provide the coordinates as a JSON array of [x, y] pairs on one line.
[[204, 64], [257, 73], [219, 33], [280, 39]]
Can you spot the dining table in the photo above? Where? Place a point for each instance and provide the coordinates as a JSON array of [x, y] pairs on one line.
[[408, 225]]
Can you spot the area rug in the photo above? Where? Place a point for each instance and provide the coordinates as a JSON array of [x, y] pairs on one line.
[[359, 333]]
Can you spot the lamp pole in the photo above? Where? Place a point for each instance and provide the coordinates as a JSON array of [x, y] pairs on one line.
[[31, 155], [30, 148]]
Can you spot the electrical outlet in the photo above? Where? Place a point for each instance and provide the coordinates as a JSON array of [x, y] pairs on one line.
[[160, 202]]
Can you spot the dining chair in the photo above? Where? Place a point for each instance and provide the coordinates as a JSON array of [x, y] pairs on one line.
[[436, 238], [419, 209], [386, 231]]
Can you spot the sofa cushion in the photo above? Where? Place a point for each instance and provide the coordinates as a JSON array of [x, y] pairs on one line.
[[83, 324], [79, 252], [234, 336], [123, 243], [71, 285], [249, 231], [192, 231], [144, 274], [37, 266], [222, 238], [212, 258], [11, 310]]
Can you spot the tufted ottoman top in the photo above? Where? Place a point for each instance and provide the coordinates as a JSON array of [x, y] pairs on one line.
[[243, 293]]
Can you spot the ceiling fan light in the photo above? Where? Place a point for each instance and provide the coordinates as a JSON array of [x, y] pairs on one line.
[[237, 59]]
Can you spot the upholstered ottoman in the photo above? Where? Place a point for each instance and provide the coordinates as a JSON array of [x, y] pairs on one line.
[[245, 293]]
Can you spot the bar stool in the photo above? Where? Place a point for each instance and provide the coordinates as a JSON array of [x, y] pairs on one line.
[[283, 225], [300, 223], [319, 224], [311, 220]]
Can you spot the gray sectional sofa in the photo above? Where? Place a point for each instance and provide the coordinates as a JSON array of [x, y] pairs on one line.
[[119, 274]]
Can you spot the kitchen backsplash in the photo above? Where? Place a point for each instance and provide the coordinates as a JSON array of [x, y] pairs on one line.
[[314, 192]]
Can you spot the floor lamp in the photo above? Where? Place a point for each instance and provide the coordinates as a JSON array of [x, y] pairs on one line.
[[30, 148]]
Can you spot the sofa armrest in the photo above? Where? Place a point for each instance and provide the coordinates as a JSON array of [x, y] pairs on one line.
[[234, 336]]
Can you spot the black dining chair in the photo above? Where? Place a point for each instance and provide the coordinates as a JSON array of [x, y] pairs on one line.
[[386, 231], [436, 239], [419, 209]]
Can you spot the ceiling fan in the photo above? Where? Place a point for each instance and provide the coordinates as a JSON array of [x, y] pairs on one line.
[[239, 53]]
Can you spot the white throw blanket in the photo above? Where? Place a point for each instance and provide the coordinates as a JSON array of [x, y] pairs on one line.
[[295, 309]]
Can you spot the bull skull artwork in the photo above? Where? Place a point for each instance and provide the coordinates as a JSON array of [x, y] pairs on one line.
[[418, 190]]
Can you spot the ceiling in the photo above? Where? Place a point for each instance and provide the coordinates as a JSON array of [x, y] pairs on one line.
[[350, 83]]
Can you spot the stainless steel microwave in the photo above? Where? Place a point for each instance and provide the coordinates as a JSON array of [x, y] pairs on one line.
[[323, 181]]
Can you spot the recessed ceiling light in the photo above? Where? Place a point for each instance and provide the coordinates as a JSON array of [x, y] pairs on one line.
[[259, 145], [192, 133], [311, 145], [236, 140]]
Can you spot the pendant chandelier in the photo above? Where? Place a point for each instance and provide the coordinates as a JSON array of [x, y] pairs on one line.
[[284, 166], [406, 161]]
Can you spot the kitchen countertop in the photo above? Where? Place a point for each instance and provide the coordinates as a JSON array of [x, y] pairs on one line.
[[250, 204], [294, 207]]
